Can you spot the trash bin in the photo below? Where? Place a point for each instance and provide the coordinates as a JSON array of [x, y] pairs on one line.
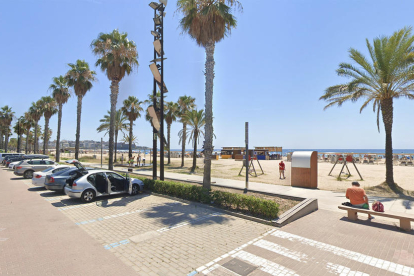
[[304, 170], [129, 169]]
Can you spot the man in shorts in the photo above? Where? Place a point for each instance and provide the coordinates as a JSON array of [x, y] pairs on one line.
[[281, 170], [357, 197]]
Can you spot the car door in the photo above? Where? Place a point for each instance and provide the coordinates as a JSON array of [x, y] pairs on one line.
[[117, 182]]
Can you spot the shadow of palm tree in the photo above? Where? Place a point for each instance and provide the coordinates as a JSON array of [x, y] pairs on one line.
[[173, 213]]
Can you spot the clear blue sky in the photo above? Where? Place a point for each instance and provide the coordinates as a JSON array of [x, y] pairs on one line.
[[269, 72]]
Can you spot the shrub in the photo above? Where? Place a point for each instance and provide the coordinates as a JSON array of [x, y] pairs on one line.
[[239, 202]]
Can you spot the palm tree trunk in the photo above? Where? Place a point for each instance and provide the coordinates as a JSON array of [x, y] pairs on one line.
[[78, 122], [58, 133], [19, 145], [36, 145], [116, 142], [131, 124], [208, 147], [114, 96], [6, 140], [195, 153], [1, 137], [27, 141], [45, 135], [169, 142], [387, 110], [183, 143]]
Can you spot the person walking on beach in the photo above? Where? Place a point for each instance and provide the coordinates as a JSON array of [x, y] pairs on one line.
[[122, 159], [282, 170], [357, 197], [139, 161], [143, 161]]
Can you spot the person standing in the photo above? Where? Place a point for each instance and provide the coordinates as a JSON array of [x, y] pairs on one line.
[[122, 159], [139, 161], [282, 170], [143, 161]]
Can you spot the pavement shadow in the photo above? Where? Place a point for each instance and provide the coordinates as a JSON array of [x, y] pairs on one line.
[[122, 201], [18, 178], [36, 189], [174, 213], [51, 194], [381, 225]]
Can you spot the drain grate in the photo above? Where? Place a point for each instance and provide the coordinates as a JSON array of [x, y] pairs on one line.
[[240, 267]]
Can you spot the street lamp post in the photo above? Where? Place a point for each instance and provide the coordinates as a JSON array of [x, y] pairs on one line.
[[18, 135], [158, 34]]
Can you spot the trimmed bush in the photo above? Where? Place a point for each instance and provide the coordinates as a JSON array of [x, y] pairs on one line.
[[239, 202]]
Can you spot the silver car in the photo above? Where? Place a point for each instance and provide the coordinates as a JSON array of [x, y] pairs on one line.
[[100, 183], [26, 168]]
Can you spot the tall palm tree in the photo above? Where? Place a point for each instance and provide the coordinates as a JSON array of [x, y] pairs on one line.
[[36, 113], [208, 22], [6, 117], [60, 92], [387, 76], [185, 103], [49, 109], [80, 77], [120, 125], [195, 120], [27, 125], [117, 56], [171, 114], [132, 109], [18, 128]]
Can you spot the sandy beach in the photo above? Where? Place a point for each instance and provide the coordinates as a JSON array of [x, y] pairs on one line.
[[372, 174]]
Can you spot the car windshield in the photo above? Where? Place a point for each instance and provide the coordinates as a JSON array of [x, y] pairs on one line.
[[48, 169], [20, 162]]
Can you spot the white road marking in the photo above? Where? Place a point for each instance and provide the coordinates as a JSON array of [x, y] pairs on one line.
[[263, 264], [343, 270], [355, 256], [295, 255]]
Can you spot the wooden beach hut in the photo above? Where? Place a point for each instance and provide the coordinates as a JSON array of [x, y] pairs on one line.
[[264, 153], [231, 152]]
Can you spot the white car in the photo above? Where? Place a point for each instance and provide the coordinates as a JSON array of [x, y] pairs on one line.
[[100, 183], [40, 177], [11, 165]]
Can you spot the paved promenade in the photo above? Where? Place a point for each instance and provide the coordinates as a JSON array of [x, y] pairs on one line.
[[47, 233]]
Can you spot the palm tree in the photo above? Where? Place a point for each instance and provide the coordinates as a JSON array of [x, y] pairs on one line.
[[185, 103], [195, 120], [120, 125], [36, 113], [80, 77], [27, 125], [49, 109], [18, 128], [132, 109], [171, 114], [117, 57], [6, 117], [387, 76], [60, 92], [208, 22]]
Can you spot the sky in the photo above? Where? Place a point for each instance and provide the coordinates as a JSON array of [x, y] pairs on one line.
[[270, 71]]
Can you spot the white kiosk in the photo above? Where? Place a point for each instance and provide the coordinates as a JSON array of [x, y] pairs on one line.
[[304, 170]]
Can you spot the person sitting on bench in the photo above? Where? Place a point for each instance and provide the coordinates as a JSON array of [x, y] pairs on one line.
[[357, 197]]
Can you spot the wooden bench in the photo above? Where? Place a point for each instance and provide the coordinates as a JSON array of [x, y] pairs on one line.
[[405, 220]]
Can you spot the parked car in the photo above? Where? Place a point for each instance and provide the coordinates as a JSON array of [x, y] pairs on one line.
[[3, 155], [57, 182], [39, 178], [100, 183], [13, 164], [12, 158], [26, 168]]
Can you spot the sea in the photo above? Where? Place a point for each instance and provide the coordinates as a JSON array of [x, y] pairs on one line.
[[285, 151]]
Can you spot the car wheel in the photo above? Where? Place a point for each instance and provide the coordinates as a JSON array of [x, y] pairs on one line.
[[63, 190], [135, 189], [28, 174], [88, 196]]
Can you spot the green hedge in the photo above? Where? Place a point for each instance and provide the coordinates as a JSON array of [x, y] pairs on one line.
[[247, 204]]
